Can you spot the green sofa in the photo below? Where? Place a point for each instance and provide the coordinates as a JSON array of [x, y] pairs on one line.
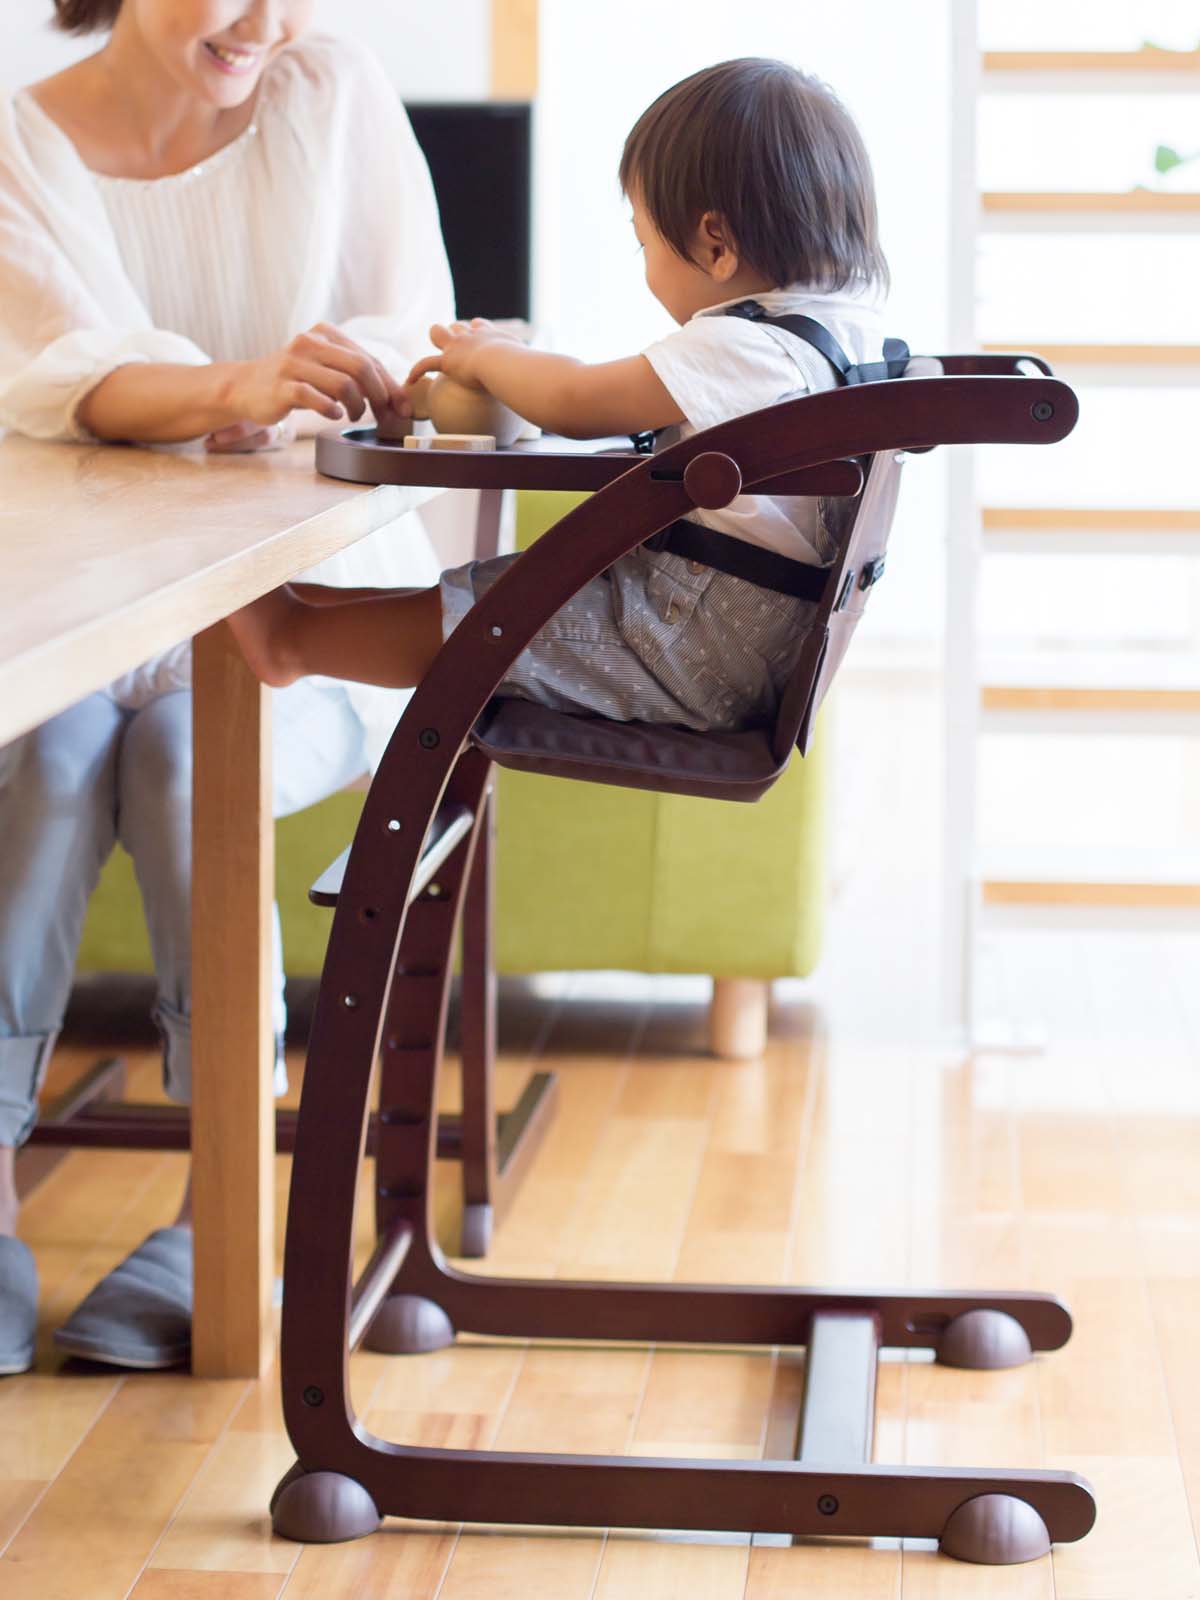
[[587, 877]]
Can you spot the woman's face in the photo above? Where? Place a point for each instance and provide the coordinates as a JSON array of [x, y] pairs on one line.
[[217, 49]]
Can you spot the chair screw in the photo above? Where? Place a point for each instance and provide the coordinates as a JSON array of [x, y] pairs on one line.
[[314, 1396], [497, 633], [394, 825], [350, 1001], [1043, 411], [827, 1505], [430, 739]]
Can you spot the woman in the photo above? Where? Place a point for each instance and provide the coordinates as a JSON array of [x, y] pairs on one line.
[[174, 210]]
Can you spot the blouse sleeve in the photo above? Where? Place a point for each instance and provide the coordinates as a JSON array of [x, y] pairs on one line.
[[60, 283], [391, 278]]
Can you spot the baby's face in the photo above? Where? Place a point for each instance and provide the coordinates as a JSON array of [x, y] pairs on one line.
[[682, 287]]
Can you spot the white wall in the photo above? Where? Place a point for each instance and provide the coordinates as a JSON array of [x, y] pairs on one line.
[[433, 52], [890, 64]]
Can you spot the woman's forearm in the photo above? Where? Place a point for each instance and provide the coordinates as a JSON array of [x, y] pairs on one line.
[[156, 403]]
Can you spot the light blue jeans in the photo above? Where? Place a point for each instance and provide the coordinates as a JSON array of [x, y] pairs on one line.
[[98, 775]]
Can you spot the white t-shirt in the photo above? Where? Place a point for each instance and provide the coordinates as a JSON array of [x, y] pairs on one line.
[[716, 367], [323, 212]]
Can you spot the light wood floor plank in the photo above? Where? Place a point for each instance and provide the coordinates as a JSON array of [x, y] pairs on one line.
[[842, 1571], [406, 1561], [187, 1585], [659, 1570], [109, 1505], [513, 1566]]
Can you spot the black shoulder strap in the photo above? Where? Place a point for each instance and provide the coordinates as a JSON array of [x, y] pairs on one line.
[[895, 351]]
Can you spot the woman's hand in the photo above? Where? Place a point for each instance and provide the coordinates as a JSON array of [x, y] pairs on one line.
[[244, 438], [460, 348], [321, 370]]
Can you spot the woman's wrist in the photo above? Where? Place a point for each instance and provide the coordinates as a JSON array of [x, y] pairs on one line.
[[153, 403]]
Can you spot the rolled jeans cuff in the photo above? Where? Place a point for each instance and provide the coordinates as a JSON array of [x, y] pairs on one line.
[[23, 1065], [175, 1030]]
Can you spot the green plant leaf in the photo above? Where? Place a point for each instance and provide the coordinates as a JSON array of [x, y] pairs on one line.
[[1165, 158]]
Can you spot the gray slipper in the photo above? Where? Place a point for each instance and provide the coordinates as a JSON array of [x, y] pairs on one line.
[[18, 1305], [140, 1315]]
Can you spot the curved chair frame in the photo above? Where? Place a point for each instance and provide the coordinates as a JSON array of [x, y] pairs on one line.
[[383, 1000]]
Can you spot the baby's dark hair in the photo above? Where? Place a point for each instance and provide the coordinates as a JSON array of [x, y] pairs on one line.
[[777, 156], [85, 16]]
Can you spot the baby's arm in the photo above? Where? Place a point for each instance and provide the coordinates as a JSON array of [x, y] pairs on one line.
[[558, 393]]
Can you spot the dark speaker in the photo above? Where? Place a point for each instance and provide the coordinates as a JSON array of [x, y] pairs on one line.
[[479, 159]]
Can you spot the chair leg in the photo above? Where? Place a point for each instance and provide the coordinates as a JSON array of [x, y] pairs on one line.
[[384, 988], [477, 1031], [495, 1150], [737, 1021]]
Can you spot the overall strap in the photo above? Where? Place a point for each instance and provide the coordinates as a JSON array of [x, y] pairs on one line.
[[895, 351]]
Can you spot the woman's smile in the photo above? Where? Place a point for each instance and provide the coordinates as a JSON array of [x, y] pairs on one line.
[[228, 59]]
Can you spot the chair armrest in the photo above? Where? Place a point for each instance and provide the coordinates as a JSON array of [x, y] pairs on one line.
[[995, 363]]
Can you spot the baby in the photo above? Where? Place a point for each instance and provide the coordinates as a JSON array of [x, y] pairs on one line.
[[753, 202]]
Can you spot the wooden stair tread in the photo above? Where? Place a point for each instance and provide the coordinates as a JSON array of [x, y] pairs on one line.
[[1152, 519], [1080, 680], [1131, 61], [1065, 876], [1173, 355], [1120, 202]]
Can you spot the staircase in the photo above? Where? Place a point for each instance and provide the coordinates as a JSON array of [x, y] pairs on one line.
[[1151, 688]]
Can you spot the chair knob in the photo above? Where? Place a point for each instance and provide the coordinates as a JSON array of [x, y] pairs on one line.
[[712, 480]]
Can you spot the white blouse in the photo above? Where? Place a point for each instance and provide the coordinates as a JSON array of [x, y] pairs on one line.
[[322, 210]]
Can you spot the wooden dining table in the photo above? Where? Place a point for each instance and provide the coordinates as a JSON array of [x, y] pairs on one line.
[[109, 554]]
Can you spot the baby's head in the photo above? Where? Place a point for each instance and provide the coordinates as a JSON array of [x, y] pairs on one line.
[[750, 176]]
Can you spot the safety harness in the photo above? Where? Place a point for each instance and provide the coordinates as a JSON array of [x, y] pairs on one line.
[[751, 562]]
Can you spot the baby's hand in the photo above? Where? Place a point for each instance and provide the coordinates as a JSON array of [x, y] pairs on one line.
[[460, 347]]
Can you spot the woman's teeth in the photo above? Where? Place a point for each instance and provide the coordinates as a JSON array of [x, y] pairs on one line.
[[235, 60]]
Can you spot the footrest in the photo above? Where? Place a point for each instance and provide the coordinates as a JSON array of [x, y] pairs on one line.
[[449, 828]]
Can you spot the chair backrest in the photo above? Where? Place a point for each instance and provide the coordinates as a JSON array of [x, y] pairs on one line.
[[860, 529]]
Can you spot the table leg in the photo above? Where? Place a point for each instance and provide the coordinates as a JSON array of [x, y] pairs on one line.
[[232, 1044]]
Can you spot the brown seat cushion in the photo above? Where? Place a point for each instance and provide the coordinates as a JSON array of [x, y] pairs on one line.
[[633, 755]]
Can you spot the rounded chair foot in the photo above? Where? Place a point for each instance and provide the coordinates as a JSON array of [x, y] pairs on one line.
[[409, 1325], [995, 1530], [476, 1231], [984, 1341], [322, 1508]]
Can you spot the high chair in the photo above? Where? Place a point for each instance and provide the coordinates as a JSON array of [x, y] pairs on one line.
[[382, 1004]]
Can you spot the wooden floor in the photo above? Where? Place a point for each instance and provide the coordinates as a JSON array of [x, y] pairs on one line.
[[855, 1151]]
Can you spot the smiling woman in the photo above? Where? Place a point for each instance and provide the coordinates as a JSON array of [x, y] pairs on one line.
[[217, 227]]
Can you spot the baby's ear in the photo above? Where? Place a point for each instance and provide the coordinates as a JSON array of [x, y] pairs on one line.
[[718, 247]]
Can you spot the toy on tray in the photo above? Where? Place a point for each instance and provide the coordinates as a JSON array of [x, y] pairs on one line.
[[464, 418]]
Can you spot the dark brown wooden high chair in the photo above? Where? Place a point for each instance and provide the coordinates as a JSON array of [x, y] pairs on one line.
[[383, 1001]]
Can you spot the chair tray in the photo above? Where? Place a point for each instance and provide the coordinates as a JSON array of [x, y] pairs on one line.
[[631, 755]]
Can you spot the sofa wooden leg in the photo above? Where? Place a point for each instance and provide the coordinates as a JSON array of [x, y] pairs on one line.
[[737, 1020]]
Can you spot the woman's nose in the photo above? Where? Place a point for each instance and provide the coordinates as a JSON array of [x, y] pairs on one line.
[[261, 23]]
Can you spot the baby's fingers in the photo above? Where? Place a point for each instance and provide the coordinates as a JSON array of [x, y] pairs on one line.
[[425, 365]]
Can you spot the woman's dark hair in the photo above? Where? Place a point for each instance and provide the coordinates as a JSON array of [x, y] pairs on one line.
[[777, 156], [85, 16]]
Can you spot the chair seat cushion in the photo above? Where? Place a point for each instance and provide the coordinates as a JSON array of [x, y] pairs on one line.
[[632, 755]]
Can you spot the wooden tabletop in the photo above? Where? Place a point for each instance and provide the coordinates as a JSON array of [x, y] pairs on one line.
[[109, 554]]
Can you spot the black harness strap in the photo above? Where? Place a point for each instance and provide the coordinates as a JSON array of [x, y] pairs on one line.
[[895, 352], [767, 568], [751, 562]]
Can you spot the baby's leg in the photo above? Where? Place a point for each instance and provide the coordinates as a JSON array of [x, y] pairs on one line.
[[387, 639]]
